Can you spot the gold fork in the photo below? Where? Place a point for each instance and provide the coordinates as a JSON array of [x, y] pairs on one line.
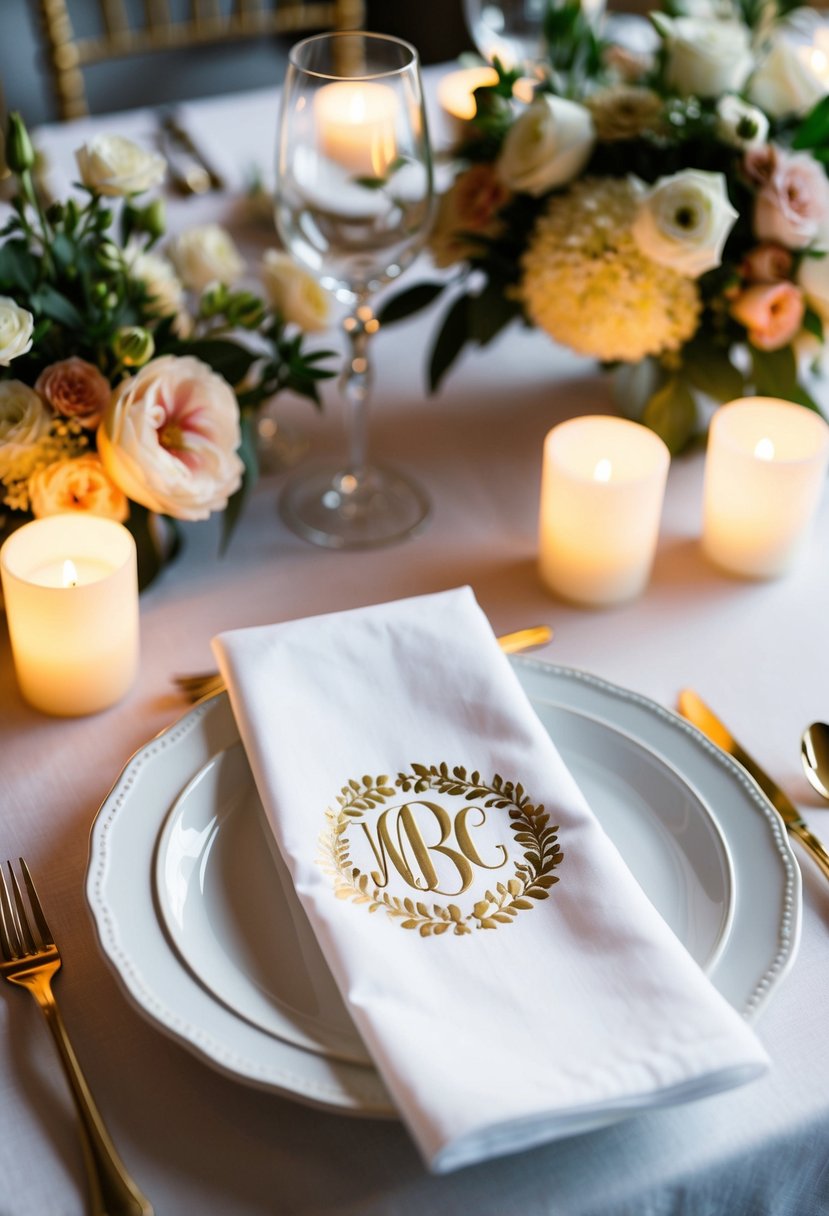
[[200, 684], [30, 959]]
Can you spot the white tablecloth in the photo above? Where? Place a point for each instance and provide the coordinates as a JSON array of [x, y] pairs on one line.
[[203, 1145]]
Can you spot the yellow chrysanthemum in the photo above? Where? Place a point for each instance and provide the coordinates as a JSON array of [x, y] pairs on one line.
[[586, 283]]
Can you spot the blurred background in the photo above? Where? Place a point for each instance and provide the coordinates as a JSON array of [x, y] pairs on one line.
[[436, 27]]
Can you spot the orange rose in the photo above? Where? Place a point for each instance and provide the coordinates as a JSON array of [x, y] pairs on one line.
[[76, 485], [771, 312], [75, 389]]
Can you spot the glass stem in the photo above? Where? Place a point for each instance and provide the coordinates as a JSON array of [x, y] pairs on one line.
[[356, 381]]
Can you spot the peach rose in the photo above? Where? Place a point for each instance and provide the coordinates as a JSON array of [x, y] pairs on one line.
[[771, 312], [768, 263], [75, 389], [169, 438], [471, 205], [76, 485], [793, 205]]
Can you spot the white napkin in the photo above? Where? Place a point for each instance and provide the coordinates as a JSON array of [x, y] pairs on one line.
[[548, 992]]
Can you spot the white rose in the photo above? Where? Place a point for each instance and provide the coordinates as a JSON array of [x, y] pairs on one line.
[[784, 83], [683, 221], [206, 255], [79, 485], [740, 124], [113, 165], [24, 420], [16, 327], [169, 438], [547, 146], [294, 293], [705, 58]]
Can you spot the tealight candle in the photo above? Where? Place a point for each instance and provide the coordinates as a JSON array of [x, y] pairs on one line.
[[602, 486], [71, 589], [356, 122], [764, 473]]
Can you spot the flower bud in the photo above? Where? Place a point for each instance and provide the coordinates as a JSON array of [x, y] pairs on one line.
[[152, 219], [20, 155], [133, 346], [214, 300], [245, 309]]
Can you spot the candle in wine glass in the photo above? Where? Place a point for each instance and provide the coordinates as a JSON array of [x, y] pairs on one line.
[[356, 121], [71, 590], [764, 474], [602, 487]]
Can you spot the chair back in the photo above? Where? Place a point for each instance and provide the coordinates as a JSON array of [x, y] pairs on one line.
[[124, 32]]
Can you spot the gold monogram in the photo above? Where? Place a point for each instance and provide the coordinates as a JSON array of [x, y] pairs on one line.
[[408, 830], [426, 846]]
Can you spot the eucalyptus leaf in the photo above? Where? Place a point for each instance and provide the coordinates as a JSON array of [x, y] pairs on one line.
[[47, 301], [18, 267], [708, 368], [774, 372]]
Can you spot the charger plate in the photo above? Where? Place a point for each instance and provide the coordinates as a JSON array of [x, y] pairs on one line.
[[180, 874]]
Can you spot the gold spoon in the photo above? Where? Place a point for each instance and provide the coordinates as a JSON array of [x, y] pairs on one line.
[[814, 755]]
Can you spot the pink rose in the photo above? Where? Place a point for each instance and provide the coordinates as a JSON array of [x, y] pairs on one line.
[[75, 389], [767, 263], [771, 312], [471, 205], [76, 485], [758, 164], [169, 438], [793, 205]]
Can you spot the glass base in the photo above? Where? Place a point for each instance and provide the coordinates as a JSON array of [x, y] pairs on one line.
[[341, 510]]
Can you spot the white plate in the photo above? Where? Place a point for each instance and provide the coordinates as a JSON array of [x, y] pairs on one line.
[[725, 879]]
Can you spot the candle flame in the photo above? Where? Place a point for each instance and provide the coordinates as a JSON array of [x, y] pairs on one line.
[[70, 574], [764, 449], [603, 470]]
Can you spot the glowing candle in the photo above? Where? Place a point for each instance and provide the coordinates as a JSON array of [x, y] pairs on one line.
[[456, 92], [602, 486], [356, 122], [71, 589], [764, 474]]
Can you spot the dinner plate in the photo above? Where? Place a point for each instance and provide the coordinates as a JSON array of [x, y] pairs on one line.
[[220, 898], [700, 837]]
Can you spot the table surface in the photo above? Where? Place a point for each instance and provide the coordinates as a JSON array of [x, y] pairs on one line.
[[200, 1143]]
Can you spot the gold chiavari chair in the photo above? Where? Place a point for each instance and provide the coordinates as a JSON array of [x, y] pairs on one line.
[[123, 32]]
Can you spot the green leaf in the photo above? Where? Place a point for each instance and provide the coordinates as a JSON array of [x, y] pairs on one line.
[[774, 372], [18, 267], [489, 312], [672, 413], [408, 302], [48, 302], [247, 453], [813, 132], [229, 359], [708, 368], [813, 324], [453, 336], [150, 549]]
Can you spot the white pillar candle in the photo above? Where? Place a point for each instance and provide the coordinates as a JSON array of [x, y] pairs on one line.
[[764, 473], [70, 584], [356, 124], [602, 486]]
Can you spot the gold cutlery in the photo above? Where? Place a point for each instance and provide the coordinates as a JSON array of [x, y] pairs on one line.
[[814, 755], [197, 174], [202, 684], [30, 959], [692, 707]]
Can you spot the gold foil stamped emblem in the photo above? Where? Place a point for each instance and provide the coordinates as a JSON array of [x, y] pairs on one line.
[[387, 814]]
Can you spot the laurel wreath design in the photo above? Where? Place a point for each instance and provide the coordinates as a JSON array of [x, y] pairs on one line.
[[532, 879]]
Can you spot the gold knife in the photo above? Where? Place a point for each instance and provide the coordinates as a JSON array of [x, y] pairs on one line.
[[697, 712]]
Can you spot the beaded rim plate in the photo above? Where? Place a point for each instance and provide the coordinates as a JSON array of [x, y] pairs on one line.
[[758, 881]]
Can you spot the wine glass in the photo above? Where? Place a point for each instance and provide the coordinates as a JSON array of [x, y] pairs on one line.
[[353, 205], [512, 30]]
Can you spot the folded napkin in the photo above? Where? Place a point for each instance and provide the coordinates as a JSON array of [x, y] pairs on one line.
[[509, 977]]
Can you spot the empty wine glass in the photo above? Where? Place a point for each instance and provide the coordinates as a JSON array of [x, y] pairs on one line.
[[353, 205], [512, 30]]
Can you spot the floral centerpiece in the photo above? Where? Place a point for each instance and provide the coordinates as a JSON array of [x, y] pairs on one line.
[[129, 380], [665, 212]]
